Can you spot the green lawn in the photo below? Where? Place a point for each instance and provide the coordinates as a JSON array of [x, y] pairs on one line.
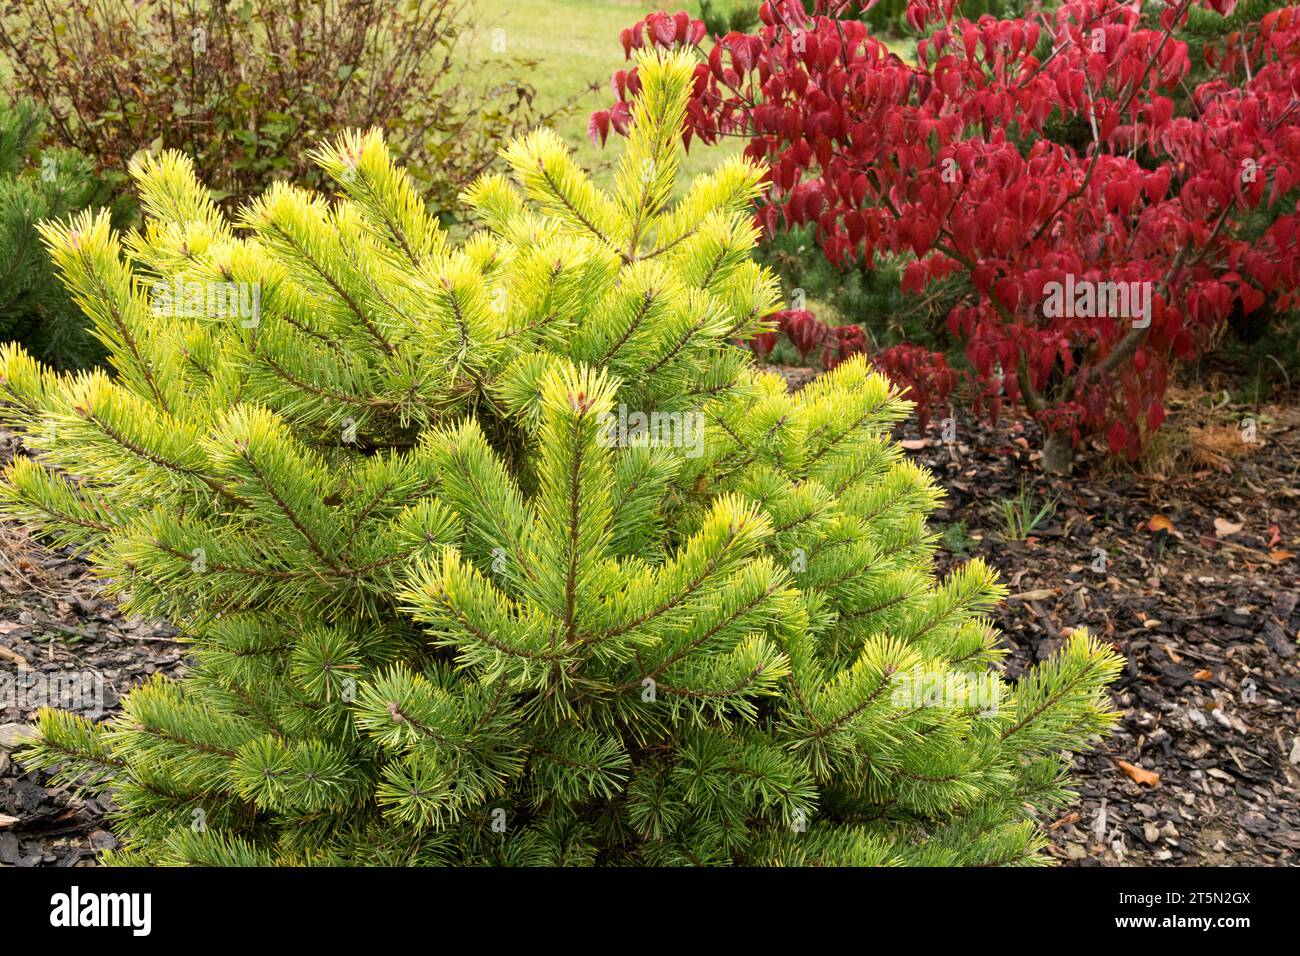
[[575, 42]]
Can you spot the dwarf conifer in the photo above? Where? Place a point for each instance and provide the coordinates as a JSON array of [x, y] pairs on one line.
[[500, 551]]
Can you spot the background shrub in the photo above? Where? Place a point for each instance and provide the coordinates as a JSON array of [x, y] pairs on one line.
[[723, 16], [35, 309], [246, 88]]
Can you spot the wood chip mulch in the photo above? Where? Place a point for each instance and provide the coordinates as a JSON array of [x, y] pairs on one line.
[[1194, 575]]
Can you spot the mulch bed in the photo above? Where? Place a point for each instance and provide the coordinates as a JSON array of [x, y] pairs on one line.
[[64, 643], [1203, 767], [1204, 607]]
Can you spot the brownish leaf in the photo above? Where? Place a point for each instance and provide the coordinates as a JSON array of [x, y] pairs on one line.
[[1139, 774], [1223, 527], [1159, 522]]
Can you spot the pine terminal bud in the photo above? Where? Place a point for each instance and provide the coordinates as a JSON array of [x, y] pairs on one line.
[[395, 712]]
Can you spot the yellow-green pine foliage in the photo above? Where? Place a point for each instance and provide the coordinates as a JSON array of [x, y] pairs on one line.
[[502, 552]]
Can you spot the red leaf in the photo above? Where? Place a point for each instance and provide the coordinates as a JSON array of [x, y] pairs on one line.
[[1117, 438], [598, 127], [682, 22], [914, 277], [663, 29]]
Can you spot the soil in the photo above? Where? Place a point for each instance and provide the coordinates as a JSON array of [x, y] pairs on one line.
[[1186, 568]]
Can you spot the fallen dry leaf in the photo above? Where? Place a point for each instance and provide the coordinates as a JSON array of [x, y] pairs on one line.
[[1042, 594], [914, 444], [1277, 557], [1204, 674], [1274, 536], [1160, 523], [1139, 774], [12, 655], [1223, 527]]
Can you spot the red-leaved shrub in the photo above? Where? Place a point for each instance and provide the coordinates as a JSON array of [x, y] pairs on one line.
[[1107, 219]]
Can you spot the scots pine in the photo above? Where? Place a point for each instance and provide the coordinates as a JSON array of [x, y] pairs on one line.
[[501, 552]]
